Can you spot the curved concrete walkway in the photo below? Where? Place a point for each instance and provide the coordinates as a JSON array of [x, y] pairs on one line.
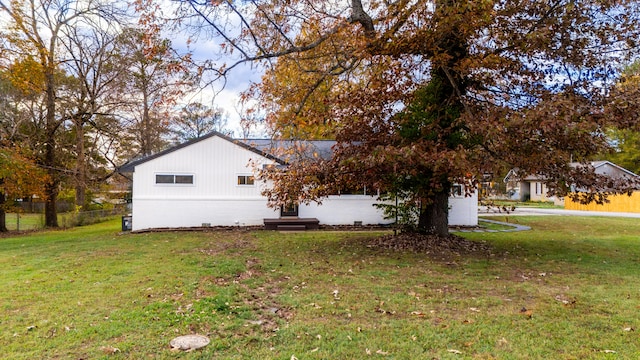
[[513, 227]]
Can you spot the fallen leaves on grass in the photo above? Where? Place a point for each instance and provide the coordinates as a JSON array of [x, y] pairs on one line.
[[379, 352], [565, 300], [429, 244], [379, 309], [109, 350], [526, 312]]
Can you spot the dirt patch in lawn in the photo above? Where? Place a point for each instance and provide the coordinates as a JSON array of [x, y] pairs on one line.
[[16, 233], [437, 247]]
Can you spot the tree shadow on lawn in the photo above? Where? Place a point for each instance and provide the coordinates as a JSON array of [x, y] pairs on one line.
[[520, 251], [413, 244]]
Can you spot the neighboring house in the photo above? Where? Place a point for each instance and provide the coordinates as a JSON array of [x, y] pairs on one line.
[[212, 181], [533, 188], [527, 188]]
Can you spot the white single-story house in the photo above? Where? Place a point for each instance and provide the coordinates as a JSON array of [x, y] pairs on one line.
[[212, 181]]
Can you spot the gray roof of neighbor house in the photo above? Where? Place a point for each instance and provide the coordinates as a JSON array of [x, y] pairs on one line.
[[280, 151], [601, 164]]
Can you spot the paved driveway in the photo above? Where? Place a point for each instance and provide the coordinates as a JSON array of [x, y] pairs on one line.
[[537, 211]]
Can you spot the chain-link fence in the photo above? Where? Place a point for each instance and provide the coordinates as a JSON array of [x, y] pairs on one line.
[[31, 221]]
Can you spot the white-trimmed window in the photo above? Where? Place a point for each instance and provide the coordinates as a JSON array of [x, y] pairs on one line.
[[176, 179], [246, 180], [456, 190]]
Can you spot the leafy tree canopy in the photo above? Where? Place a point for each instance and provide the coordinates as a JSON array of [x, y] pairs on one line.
[[626, 142], [19, 178], [423, 94]]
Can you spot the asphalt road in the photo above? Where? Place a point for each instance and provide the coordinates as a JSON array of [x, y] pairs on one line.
[[482, 211]]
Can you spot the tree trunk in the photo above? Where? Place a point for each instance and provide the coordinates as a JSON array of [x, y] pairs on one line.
[[434, 217], [146, 121], [80, 163], [3, 214], [51, 188]]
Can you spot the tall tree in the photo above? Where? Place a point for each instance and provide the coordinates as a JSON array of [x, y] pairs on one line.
[[626, 152], [424, 94], [20, 177], [157, 78], [97, 81], [36, 29], [196, 119]]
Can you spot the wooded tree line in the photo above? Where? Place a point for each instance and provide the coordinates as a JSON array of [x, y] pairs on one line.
[[84, 86]]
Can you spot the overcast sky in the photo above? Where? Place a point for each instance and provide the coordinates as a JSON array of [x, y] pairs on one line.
[[221, 94]]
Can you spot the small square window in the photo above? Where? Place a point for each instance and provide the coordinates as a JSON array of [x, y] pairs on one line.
[[456, 190], [164, 179], [245, 180], [184, 179]]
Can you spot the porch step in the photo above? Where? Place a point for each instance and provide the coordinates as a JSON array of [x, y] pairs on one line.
[[292, 227], [291, 223]]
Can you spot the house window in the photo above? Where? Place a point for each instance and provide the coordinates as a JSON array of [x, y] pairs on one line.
[[246, 180], [456, 190], [291, 209], [184, 179], [174, 179], [354, 190]]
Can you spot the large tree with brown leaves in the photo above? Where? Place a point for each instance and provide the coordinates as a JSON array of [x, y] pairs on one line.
[[424, 94], [35, 30]]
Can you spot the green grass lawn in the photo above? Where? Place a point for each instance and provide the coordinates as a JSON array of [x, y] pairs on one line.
[[520, 204], [569, 289]]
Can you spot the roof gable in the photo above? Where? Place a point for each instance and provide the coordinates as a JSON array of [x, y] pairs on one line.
[[598, 166], [608, 164], [131, 165]]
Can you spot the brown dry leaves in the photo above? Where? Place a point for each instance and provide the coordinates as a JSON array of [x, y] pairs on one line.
[[438, 247]]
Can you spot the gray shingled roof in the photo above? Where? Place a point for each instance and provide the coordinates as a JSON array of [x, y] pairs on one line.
[[284, 149], [277, 150], [538, 177]]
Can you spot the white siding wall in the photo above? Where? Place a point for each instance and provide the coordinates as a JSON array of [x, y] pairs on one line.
[[149, 214], [215, 197], [345, 210], [463, 211]]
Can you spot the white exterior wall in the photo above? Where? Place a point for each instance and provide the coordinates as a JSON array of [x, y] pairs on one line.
[[345, 210], [463, 210], [214, 197], [150, 214]]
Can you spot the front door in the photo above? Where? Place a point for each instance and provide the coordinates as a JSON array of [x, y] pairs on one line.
[[290, 210]]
